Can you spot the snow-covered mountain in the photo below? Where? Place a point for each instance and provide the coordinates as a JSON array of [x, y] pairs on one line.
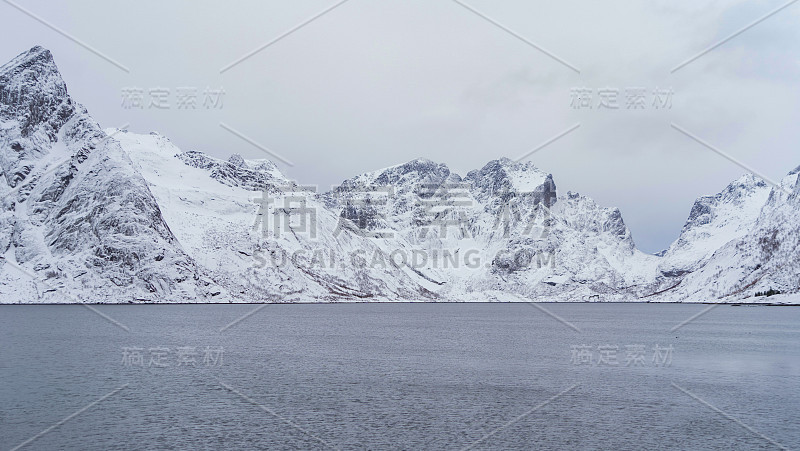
[[713, 222], [512, 233], [112, 216], [762, 251], [216, 211], [77, 219]]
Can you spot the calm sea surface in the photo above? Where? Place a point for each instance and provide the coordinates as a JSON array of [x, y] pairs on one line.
[[399, 376]]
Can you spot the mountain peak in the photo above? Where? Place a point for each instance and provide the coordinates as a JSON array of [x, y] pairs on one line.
[[748, 179], [506, 176], [418, 165], [34, 105], [509, 166], [37, 58], [237, 160], [253, 175], [31, 83], [419, 170], [740, 189]]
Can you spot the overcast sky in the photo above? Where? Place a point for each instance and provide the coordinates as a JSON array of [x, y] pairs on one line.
[[375, 83]]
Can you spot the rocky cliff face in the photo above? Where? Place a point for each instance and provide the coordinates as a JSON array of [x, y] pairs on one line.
[[713, 222], [111, 216], [507, 229], [76, 217], [34, 106], [254, 175], [761, 226]]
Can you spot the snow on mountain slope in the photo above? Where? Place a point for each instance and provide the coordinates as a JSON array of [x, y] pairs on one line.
[[715, 221], [201, 211], [761, 254], [764, 258], [212, 206], [78, 222]]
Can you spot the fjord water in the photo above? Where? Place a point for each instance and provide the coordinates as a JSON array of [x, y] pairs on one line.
[[399, 376]]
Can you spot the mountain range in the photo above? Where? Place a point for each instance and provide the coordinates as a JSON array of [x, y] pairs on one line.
[[93, 215]]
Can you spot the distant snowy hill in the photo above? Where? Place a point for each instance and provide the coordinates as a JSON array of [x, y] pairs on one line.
[[110, 216]]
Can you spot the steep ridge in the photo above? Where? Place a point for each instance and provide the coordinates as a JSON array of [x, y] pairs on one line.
[[241, 221], [76, 217], [764, 257], [713, 222]]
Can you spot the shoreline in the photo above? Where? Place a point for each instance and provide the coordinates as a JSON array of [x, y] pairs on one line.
[[733, 304]]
